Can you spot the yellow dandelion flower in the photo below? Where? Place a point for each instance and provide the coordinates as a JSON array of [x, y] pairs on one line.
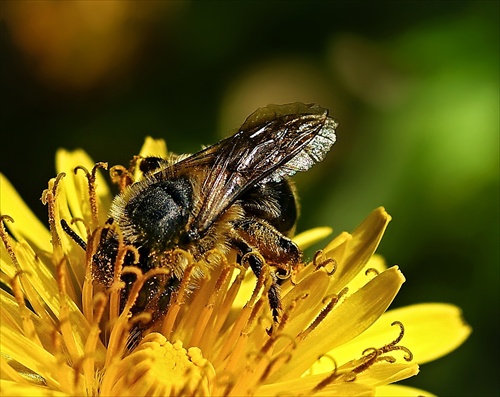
[[62, 336]]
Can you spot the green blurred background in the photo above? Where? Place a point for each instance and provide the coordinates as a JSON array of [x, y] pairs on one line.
[[414, 86]]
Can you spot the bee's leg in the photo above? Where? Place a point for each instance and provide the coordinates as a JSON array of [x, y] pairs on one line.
[[274, 297], [256, 264], [272, 245], [277, 249]]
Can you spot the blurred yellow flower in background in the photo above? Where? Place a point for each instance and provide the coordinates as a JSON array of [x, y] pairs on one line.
[[60, 337], [79, 46]]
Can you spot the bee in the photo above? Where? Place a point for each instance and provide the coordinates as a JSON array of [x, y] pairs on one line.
[[235, 194]]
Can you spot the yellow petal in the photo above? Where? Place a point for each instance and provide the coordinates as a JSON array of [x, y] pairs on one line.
[[315, 286], [57, 374], [26, 225], [14, 389], [11, 319], [400, 391], [431, 331], [245, 290], [375, 265], [153, 147], [312, 236], [304, 386], [36, 276], [352, 316], [385, 373], [76, 185], [365, 240], [41, 290]]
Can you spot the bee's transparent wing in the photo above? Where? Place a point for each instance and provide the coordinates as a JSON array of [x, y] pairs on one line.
[[274, 142]]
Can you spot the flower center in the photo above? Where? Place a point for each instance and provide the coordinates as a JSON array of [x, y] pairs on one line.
[[160, 368]]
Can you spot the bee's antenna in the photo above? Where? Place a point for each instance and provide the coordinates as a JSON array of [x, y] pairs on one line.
[[71, 233]]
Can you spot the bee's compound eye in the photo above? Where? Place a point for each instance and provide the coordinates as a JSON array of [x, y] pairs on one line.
[[149, 164], [189, 237]]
